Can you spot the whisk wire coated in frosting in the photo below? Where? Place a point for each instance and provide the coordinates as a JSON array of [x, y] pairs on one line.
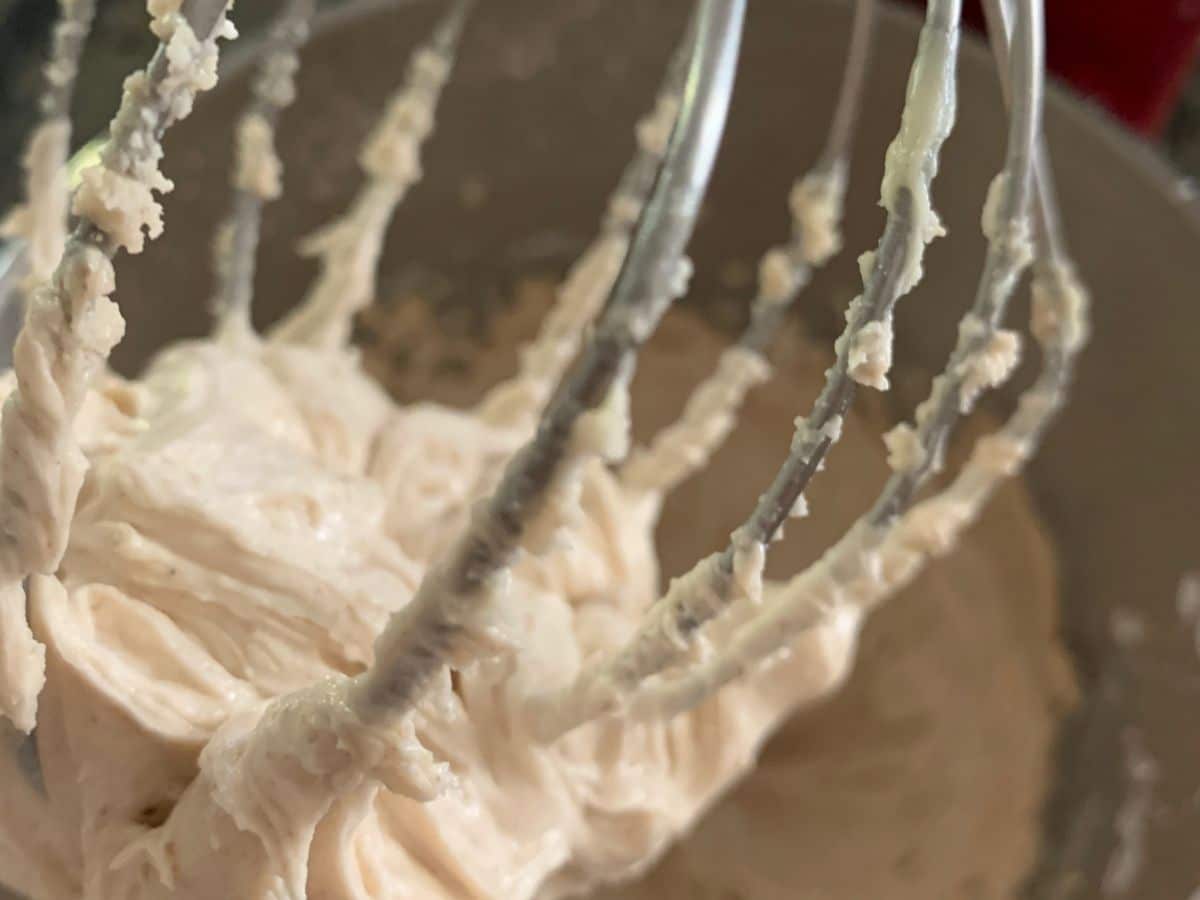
[[71, 325], [653, 274]]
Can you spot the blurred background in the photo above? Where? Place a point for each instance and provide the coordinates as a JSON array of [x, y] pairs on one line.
[[1135, 60]]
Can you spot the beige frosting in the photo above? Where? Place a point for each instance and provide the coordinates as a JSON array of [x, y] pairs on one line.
[[816, 207], [258, 170], [250, 517], [350, 246], [940, 738], [22, 661], [203, 564], [42, 221], [912, 157], [871, 355], [521, 398], [71, 325], [710, 414], [231, 544]]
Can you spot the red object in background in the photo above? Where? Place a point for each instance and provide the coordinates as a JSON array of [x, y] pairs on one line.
[[1131, 56]]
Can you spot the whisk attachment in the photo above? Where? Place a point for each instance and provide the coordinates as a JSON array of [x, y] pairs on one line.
[[349, 247], [816, 202], [707, 590], [589, 283], [257, 172], [420, 674], [1049, 236], [886, 547], [421, 636]]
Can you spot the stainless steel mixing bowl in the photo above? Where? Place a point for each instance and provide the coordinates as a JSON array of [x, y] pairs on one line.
[[540, 111]]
